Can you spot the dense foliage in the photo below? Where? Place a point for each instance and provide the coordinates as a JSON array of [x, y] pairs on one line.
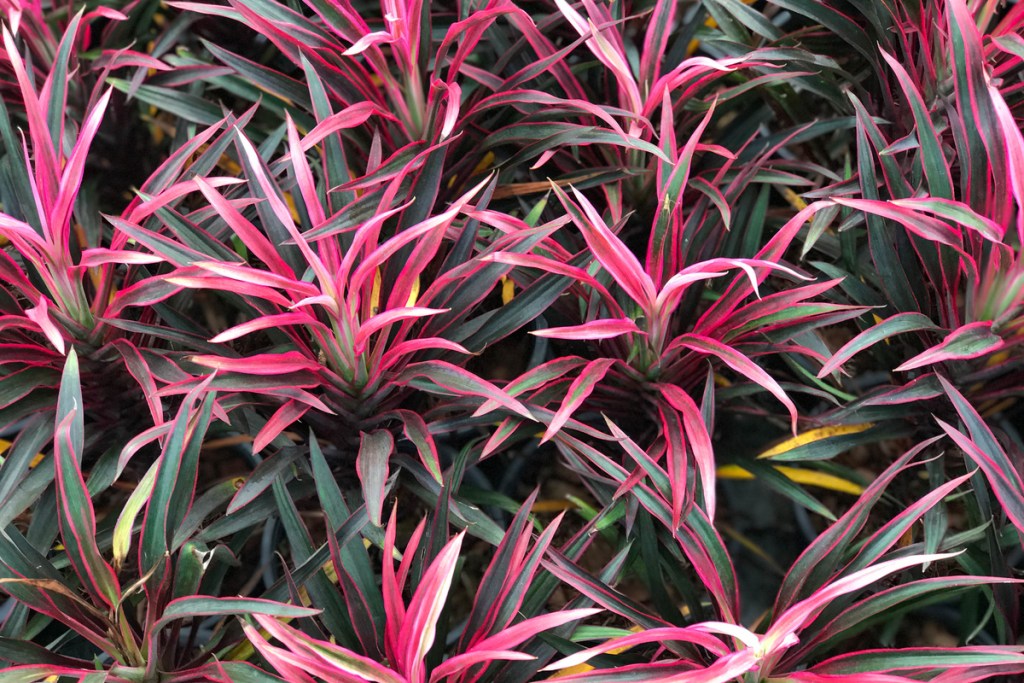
[[502, 341]]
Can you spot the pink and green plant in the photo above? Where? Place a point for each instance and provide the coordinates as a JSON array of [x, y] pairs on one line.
[[540, 278]]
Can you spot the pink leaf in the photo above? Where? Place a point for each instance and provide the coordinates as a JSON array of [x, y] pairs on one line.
[[42, 146], [368, 40], [382, 320], [595, 329], [463, 382], [579, 390], [282, 418], [782, 632], [251, 236], [1013, 140], [741, 364], [420, 626], [303, 175], [969, 341], [266, 322], [497, 646], [349, 117], [71, 180], [955, 211], [418, 433], [39, 314], [453, 96], [688, 634], [699, 441], [610, 252], [280, 210], [101, 256], [247, 274], [923, 226], [400, 351], [259, 364], [339, 659]]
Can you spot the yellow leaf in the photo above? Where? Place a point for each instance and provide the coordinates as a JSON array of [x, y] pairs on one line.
[[996, 358], [552, 505], [229, 165], [375, 293], [481, 166], [5, 445], [290, 201], [584, 668], [484, 164], [992, 407], [800, 476], [122, 538], [878, 321], [414, 294], [710, 23], [508, 290], [814, 435], [794, 199]]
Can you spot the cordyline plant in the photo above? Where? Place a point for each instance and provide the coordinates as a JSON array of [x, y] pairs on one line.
[[534, 276]]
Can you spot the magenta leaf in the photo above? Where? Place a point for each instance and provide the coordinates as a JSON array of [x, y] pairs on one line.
[[610, 252], [741, 364], [970, 341], [419, 628], [897, 324], [595, 329], [75, 512], [699, 443], [579, 390], [462, 382], [259, 364]]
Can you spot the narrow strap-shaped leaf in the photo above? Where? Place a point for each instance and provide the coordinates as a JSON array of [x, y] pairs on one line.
[[891, 326], [968, 660], [877, 607], [175, 479], [75, 510], [698, 441], [375, 451], [969, 341], [819, 560], [787, 624], [74, 168], [936, 167], [317, 653], [741, 364], [462, 382], [211, 606], [419, 628], [985, 173], [579, 390], [612, 254], [1000, 472]]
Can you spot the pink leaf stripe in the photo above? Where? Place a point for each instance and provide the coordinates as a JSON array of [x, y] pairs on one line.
[[970, 341], [741, 364], [579, 390], [596, 329], [259, 364], [698, 440], [610, 252]]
